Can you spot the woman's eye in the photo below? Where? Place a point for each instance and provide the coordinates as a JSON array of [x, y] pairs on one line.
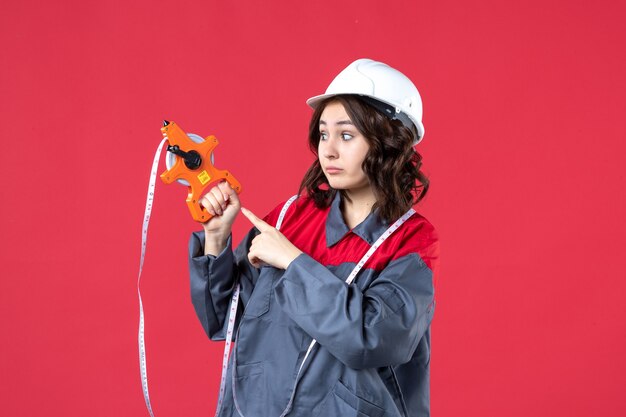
[[346, 136], [323, 135]]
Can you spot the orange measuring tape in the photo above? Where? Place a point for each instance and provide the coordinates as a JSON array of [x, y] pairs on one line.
[[193, 166], [190, 162]]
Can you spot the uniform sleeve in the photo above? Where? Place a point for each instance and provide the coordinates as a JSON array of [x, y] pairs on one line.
[[380, 326], [213, 280]]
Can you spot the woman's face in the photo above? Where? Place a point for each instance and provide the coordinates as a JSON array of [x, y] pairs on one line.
[[342, 149]]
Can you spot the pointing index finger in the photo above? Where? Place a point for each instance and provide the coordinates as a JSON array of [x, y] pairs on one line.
[[258, 223]]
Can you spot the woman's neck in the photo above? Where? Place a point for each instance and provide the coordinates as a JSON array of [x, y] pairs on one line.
[[357, 206]]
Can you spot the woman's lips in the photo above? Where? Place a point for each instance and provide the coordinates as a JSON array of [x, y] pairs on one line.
[[333, 170]]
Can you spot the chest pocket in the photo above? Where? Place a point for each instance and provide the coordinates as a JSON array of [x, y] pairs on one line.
[[259, 303]]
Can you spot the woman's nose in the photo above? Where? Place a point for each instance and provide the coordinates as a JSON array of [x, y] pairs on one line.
[[329, 148]]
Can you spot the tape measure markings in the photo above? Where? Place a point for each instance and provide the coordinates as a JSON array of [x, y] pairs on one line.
[[144, 240]]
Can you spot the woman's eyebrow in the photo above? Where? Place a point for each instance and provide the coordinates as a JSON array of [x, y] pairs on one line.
[[341, 122]]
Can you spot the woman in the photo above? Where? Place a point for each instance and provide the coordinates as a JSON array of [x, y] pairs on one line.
[[372, 350]]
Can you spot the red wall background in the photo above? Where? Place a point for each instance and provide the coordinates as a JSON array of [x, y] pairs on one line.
[[524, 115]]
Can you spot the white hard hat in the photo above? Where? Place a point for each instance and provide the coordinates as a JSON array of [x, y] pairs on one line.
[[393, 93]]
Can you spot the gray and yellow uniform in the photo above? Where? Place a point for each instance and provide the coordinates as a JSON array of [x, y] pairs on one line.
[[373, 352]]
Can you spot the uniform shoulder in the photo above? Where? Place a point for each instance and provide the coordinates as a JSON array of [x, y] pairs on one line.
[[420, 237], [420, 231]]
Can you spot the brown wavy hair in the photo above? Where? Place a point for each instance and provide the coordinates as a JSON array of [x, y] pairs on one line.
[[392, 165]]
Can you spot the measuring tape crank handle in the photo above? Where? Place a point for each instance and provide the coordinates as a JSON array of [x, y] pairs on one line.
[[192, 159]]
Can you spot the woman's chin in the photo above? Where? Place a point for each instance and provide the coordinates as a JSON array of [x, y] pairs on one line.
[[337, 185]]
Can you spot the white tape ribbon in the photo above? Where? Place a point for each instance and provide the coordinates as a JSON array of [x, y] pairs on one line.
[[232, 315], [144, 239]]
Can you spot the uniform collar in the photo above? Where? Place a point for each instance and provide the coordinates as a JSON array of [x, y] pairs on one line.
[[369, 229]]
